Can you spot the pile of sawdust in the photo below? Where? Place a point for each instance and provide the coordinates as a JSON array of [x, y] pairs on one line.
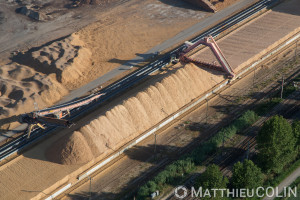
[[92, 2], [32, 13], [70, 149], [204, 4], [41, 76], [116, 40], [212, 5], [69, 63], [67, 58], [219, 5], [21, 86], [136, 114]]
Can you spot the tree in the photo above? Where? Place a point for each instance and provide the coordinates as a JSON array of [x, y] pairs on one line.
[[212, 178], [146, 190], [296, 130], [246, 175], [276, 144]]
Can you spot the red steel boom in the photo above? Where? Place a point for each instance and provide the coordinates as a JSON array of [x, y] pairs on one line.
[[210, 42]]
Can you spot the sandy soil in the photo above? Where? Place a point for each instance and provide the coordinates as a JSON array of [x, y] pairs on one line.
[[222, 4], [123, 175], [33, 169], [33, 165], [68, 59], [113, 41], [68, 63], [123, 122], [21, 86], [133, 115], [39, 76], [211, 5]]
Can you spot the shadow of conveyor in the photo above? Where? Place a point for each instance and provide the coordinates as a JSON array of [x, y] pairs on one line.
[[181, 4], [92, 195], [5, 124], [133, 62], [291, 7]]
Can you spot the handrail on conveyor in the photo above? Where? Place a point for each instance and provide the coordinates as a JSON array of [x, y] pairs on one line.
[[68, 106], [210, 42]]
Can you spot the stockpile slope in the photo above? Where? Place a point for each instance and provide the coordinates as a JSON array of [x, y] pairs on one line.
[[212, 5], [40, 76], [133, 116], [205, 4], [66, 58], [21, 86]]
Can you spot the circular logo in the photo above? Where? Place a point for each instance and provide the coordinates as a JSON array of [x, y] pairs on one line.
[[181, 192]]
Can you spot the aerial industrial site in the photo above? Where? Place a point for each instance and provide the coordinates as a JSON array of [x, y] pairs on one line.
[[153, 99]]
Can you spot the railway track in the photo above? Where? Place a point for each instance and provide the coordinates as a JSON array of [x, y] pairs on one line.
[[210, 130], [287, 108], [247, 144], [120, 86], [235, 112]]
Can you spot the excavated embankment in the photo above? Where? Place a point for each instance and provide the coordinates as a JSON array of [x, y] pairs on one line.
[[40, 76], [66, 58], [133, 116]]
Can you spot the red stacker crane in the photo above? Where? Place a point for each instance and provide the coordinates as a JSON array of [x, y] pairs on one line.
[[210, 42]]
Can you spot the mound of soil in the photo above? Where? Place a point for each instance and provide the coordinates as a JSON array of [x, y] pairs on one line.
[[212, 5], [70, 149], [39, 76], [32, 13], [135, 115], [77, 3], [204, 4], [21, 87], [67, 58]]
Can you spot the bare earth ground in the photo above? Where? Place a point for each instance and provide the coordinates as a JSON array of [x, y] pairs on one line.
[[113, 41], [125, 121], [42, 74], [222, 4], [33, 165]]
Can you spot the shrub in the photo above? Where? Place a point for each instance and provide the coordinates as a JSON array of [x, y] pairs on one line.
[[152, 186], [143, 192], [289, 89], [296, 131], [266, 106], [248, 118], [161, 178], [238, 125], [172, 174]]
